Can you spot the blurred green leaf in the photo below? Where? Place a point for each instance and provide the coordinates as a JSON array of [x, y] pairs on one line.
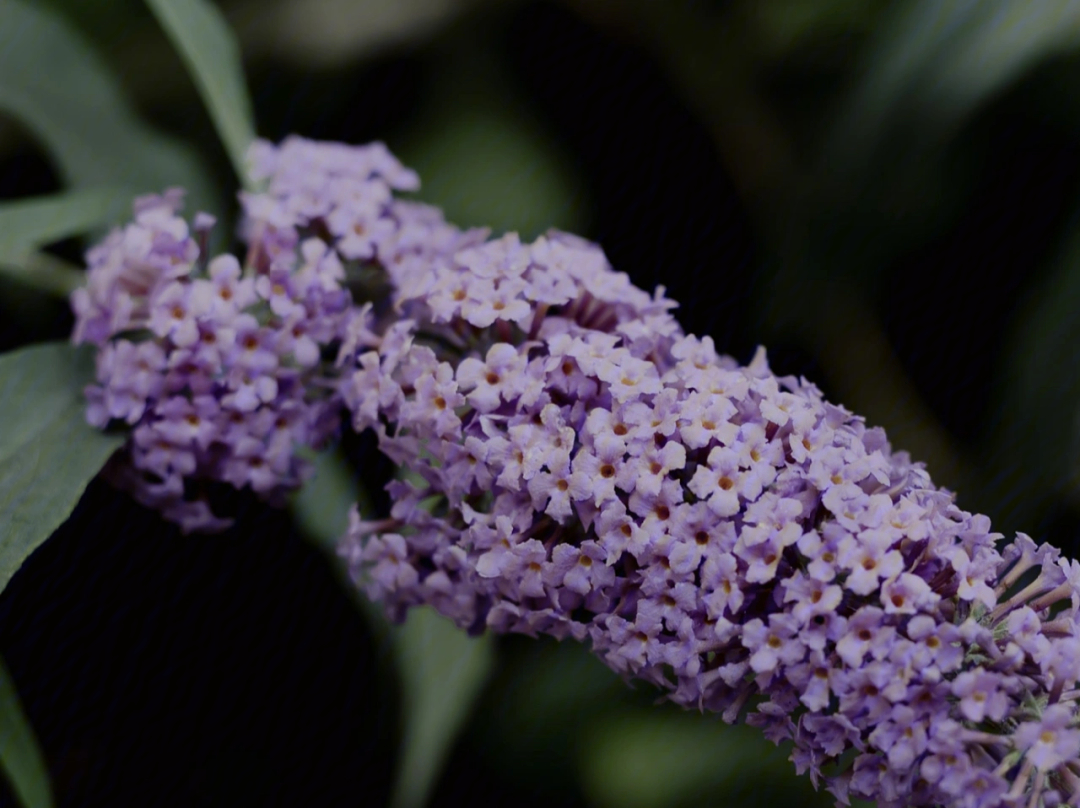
[[1037, 437], [785, 25], [933, 63], [484, 157], [544, 698], [211, 52], [485, 169], [41, 271], [20, 757], [27, 224], [48, 453], [321, 507], [567, 686], [55, 85], [660, 758], [891, 170], [442, 673], [442, 669]]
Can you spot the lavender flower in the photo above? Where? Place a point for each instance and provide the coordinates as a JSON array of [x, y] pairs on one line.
[[344, 195], [218, 367], [584, 469]]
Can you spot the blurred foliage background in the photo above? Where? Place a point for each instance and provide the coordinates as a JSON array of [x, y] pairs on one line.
[[883, 192]]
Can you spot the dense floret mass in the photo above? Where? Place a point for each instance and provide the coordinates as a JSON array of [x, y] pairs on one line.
[[223, 370], [215, 368], [579, 467], [574, 465]]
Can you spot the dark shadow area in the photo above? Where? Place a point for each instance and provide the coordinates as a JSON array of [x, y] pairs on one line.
[[228, 670]]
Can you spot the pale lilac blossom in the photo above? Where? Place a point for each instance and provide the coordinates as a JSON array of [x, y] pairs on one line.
[[216, 364], [719, 532]]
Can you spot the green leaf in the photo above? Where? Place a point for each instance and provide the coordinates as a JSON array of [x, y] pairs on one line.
[[786, 25], [48, 453], [42, 271], [54, 84], [321, 506], [27, 224], [896, 163], [442, 672], [1036, 441], [934, 62], [656, 757], [548, 694], [485, 169], [484, 158], [442, 669], [212, 55], [20, 757]]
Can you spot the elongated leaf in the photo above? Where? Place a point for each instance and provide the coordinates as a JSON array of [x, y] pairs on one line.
[[883, 180], [442, 673], [442, 669], [27, 224], [1037, 429], [48, 453], [42, 271], [53, 83], [321, 508], [485, 169], [20, 757], [210, 50], [935, 61]]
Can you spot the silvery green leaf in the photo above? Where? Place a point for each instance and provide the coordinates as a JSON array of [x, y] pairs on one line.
[[212, 55], [27, 224], [54, 84], [442, 673], [48, 452], [321, 507], [20, 757]]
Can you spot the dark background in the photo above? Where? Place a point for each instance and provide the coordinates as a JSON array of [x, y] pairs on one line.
[[918, 273]]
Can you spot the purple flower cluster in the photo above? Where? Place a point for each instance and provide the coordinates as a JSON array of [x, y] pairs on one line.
[[223, 370], [342, 195], [578, 467]]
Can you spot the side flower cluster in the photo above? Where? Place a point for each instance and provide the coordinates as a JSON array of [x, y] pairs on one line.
[[223, 370], [579, 467]]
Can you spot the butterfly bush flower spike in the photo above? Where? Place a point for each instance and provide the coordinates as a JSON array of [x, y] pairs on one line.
[[222, 369], [581, 468]]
